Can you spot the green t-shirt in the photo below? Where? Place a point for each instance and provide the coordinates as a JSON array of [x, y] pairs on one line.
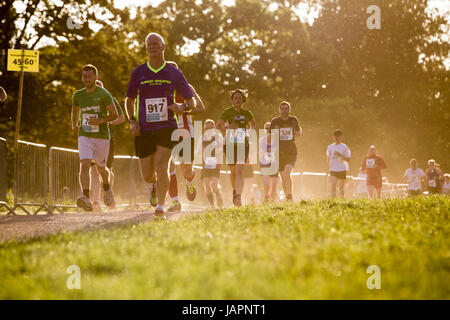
[[119, 112], [242, 118], [93, 105]]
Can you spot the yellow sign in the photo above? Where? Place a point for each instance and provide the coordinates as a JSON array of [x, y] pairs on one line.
[[23, 60]]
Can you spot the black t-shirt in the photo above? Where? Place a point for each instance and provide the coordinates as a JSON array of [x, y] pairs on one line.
[[287, 128]]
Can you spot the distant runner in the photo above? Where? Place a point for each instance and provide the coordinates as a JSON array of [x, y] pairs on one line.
[[268, 152], [372, 165], [433, 177], [289, 129], [211, 169], [415, 176], [338, 156], [95, 178], [152, 86], [446, 186], [239, 119], [95, 106], [184, 121]]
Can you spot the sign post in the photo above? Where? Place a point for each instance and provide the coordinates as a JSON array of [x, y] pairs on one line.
[[22, 61]]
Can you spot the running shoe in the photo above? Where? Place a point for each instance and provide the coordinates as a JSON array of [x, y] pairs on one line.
[[159, 214], [108, 199], [153, 199], [190, 191], [175, 207], [84, 203], [96, 206]]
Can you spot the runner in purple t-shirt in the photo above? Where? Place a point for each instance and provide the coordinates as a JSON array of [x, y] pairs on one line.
[[152, 89]]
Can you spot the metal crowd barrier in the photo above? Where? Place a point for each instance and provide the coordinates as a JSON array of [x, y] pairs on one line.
[[64, 168], [124, 186], [31, 180], [30, 177], [64, 186], [3, 176]]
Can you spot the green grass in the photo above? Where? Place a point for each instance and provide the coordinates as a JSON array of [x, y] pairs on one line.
[[304, 250]]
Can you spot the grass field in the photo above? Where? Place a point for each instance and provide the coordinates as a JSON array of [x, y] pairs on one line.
[[304, 250]]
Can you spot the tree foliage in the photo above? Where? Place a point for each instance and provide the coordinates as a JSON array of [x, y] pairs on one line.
[[387, 87]]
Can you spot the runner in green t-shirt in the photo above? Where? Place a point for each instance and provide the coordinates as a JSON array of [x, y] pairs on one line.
[[238, 119], [95, 178], [94, 106]]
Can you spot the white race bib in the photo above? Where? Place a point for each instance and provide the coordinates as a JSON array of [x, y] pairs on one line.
[[85, 124], [432, 183], [286, 134], [267, 158], [156, 109], [238, 136], [210, 163], [370, 163]]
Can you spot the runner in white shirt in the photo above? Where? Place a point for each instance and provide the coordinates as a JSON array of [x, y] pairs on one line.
[[338, 155], [414, 176]]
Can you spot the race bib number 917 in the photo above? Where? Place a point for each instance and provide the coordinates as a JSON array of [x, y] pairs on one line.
[[156, 109], [85, 124]]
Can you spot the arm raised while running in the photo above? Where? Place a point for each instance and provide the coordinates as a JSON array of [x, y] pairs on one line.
[[200, 107], [112, 115]]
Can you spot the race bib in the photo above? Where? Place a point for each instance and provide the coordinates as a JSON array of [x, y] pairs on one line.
[[267, 158], [286, 134], [156, 109], [238, 136], [370, 163], [210, 163], [85, 124], [432, 183]]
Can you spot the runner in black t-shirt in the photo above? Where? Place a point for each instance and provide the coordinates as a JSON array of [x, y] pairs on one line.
[[289, 128]]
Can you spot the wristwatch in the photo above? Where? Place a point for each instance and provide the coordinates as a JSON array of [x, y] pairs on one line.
[[187, 108]]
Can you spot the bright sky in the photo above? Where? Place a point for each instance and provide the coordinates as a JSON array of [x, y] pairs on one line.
[[305, 13]]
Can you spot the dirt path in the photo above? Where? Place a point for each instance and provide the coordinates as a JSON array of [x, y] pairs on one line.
[[22, 227]]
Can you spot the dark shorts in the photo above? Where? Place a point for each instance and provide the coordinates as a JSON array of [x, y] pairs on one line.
[[339, 174], [192, 151], [376, 182], [414, 192], [233, 161], [112, 144], [287, 156], [145, 144], [209, 173]]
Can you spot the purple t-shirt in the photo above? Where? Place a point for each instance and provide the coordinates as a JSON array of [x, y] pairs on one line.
[[155, 91]]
